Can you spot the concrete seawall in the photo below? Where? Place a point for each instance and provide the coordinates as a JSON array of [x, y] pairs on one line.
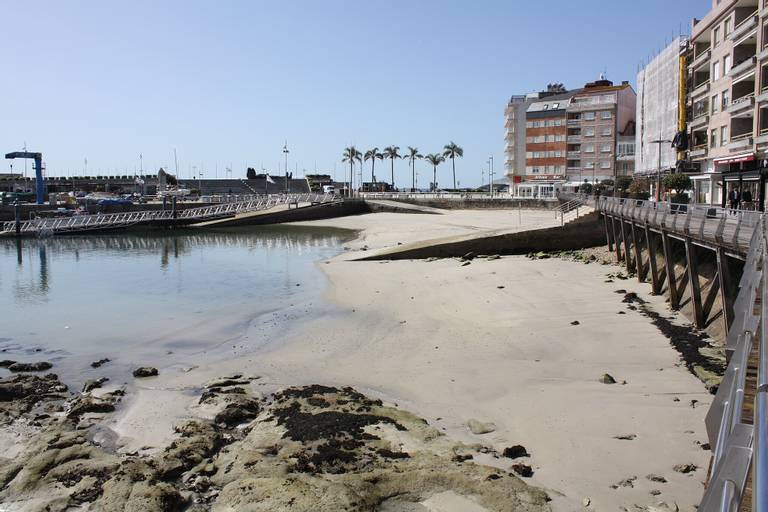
[[584, 232]]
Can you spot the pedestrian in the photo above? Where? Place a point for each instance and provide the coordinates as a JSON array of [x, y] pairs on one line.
[[733, 198], [746, 199]]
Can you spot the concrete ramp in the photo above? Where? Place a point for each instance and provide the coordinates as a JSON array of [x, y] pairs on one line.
[[586, 231], [383, 205]]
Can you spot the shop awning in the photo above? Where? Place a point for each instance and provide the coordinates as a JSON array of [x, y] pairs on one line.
[[736, 159]]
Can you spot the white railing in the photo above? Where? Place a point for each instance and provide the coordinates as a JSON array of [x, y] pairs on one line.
[[119, 220], [737, 443]]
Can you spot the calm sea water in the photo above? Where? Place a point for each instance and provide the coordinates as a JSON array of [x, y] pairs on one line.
[[135, 297]]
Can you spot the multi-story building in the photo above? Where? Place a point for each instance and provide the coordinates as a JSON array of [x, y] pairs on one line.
[[598, 117], [728, 98], [659, 113], [559, 138]]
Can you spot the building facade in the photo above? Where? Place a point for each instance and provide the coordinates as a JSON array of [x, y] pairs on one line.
[[659, 98], [599, 116], [728, 99]]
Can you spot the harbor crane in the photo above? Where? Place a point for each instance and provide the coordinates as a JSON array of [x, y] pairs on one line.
[[39, 183]]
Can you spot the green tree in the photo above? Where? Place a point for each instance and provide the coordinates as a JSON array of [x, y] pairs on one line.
[[412, 156], [623, 182], [391, 152], [351, 154], [452, 151], [680, 183], [434, 160], [372, 155]]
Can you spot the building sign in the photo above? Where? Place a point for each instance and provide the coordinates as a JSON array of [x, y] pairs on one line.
[[737, 159]]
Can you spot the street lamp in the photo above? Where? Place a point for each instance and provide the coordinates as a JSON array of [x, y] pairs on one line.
[[658, 171], [490, 176], [285, 152]]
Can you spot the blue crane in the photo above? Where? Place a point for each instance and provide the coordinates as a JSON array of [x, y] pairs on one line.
[[39, 183]]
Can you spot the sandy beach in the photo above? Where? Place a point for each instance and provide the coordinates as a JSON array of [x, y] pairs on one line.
[[518, 345]]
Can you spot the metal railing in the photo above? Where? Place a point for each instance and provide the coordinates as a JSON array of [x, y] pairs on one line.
[[737, 443], [120, 220]]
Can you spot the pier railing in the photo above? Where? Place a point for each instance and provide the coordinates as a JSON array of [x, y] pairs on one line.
[[737, 421], [121, 220]]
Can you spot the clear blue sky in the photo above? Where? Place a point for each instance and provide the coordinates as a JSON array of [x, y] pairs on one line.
[[226, 82]]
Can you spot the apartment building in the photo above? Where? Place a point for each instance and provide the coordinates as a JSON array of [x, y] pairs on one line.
[[514, 149], [599, 116], [659, 102], [728, 98]]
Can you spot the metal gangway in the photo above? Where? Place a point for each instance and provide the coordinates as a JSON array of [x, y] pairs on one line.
[[81, 223], [737, 421]]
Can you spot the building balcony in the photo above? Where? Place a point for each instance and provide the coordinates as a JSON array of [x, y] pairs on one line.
[[743, 68], [574, 169], [574, 154], [625, 157], [698, 151], [762, 140], [745, 28], [742, 107], [701, 120], [574, 138], [740, 142], [763, 54], [700, 89], [701, 59], [574, 122], [762, 97], [510, 135]]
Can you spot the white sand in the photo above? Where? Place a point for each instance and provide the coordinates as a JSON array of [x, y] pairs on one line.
[[445, 342]]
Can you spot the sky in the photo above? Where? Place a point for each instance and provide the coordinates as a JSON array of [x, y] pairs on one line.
[[226, 83]]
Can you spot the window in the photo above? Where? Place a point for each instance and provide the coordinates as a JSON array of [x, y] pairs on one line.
[[589, 165], [529, 154], [589, 116], [716, 71], [589, 148], [715, 104], [529, 124], [726, 100], [605, 165], [727, 27], [724, 135], [713, 138], [559, 138], [589, 132], [606, 132], [726, 64], [605, 148], [555, 105], [716, 37], [605, 115]]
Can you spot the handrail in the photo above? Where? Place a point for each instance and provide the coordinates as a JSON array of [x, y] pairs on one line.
[[102, 221], [737, 443]]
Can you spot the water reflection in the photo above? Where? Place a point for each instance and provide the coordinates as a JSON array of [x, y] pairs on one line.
[[117, 293], [33, 276]]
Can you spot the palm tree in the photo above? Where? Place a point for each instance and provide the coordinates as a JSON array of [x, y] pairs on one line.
[[452, 151], [435, 160], [350, 155], [391, 152], [413, 154], [372, 155]]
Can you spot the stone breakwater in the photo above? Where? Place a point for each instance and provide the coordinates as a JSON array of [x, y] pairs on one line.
[[303, 448]]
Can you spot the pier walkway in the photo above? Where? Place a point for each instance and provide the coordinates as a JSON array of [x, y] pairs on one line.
[[170, 217], [643, 235]]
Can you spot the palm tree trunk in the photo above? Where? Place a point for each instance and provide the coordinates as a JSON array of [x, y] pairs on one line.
[[373, 176], [393, 172], [434, 178], [349, 185], [413, 175], [453, 162]]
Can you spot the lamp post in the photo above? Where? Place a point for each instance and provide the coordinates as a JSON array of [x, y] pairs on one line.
[[659, 142], [285, 152], [490, 176]]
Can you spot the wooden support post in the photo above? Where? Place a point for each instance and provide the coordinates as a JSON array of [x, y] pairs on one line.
[[607, 234], [616, 244], [650, 243], [693, 281], [638, 255], [724, 278], [709, 300], [674, 299], [627, 258]]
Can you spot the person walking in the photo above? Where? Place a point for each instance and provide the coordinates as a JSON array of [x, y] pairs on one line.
[[734, 197]]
